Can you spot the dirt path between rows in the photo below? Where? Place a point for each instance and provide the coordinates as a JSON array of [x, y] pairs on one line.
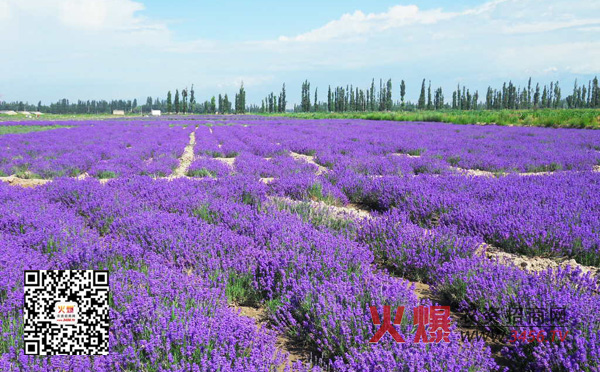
[[295, 352], [186, 159], [350, 211], [535, 264], [24, 182], [311, 160]]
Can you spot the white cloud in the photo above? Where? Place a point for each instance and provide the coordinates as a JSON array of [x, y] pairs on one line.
[[110, 46], [99, 14], [4, 9], [359, 23], [549, 26]]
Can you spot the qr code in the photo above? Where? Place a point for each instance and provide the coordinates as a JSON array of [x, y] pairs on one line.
[[66, 312]]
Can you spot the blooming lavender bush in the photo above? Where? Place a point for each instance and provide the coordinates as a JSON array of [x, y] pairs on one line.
[[256, 232], [411, 251], [479, 285]]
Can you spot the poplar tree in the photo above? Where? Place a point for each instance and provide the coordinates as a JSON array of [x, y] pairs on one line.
[[169, 102], [402, 92], [372, 94], [213, 105], [184, 94], [226, 105], [388, 96], [176, 102], [282, 99], [421, 102], [429, 103], [192, 99]]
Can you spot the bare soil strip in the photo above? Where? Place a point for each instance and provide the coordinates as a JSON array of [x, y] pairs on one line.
[[186, 158], [406, 155], [477, 172], [534, 264], [350, 211], [292, 349], [536, 174], [311, 160], [24, 182], [473, 172], [228, 161], [267, 180]]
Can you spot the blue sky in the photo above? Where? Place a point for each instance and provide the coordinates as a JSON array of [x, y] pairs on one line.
[[93, 49]]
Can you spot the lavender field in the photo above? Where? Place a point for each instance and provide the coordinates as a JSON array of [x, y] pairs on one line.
[[248, 243]]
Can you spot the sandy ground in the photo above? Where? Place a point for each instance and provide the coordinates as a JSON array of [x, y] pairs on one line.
[[293, 350], [473, 172], [186, 158], [228, 161], [267, 180], [534, 264], [350, 211], [406, 155], [24, 182], [311, 160]]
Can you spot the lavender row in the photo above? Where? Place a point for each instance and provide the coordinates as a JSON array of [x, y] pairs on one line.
[[555, 215], [103, 151], [211, 240], [490, 291]]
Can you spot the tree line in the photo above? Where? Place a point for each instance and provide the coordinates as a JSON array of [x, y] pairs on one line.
[[509, 96], [182, 102], [341, 99]]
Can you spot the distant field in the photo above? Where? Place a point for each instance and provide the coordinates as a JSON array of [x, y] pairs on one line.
[[560, 118], [7, 129], [47, 117], [243, 243], [572, 118]]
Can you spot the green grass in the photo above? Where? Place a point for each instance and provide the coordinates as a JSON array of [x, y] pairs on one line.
[[202, 172], [318, 216], [11, 129], [563, 118], [53, 117]]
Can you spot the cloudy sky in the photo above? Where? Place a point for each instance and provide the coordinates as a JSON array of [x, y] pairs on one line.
[[94, 49]]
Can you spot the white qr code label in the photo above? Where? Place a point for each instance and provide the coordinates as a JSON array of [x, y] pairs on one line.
[[66, 312]]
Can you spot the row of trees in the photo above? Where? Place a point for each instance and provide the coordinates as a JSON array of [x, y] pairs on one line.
[[340, 99], [210, 106], [273, 103], [348, 98]]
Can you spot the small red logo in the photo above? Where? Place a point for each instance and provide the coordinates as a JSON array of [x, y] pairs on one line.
[[433, 323]]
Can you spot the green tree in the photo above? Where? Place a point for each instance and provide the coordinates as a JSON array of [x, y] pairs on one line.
[[402, 92], [184, 95], [213, 105], [429, 103], [226, 105], [388, 96], [176, 101], [169, 102], [421, 102], [148, 104], [192, 100], [282, 99], [240, 101]]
